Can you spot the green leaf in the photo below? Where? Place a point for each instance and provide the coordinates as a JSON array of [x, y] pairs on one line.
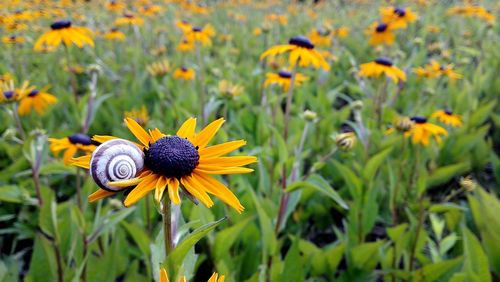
[[395, 232], [226, 238], [352, 180], [365, 256], [11, 194], [177, 256], [481, 114], [475, 260], [334, 256], [374, 163], [269, 241], [108, 222], [140, 237], [293, 268], [433, 272], [319, 184], [446, 173]]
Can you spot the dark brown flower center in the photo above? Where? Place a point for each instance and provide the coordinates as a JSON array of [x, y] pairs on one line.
[[384, 62], [448, 112], [172, 156], [381, 27], [33, 93], [400, 12], [60, 24], [301, 41], [197, 29], [80, 138], [285, 74], [8, 94], [419, 119]]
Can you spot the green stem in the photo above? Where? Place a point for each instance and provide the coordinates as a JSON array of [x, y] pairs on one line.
[[167, 226]]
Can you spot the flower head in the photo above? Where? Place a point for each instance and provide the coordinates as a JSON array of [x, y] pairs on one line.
[[184, 73], [301, 52], [160, 68], [380, 33], [397, 17], [448, 117], [422, 131], [62, 31], [71, 145], [140, 115], [382, 66], [180, 161], [284, 79], [37, 99], [114, 35], [129, 18]]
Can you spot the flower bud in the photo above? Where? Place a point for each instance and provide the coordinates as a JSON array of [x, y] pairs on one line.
[[357, 105], [346, 141], [468, 183], [403, 124], [310, 116]]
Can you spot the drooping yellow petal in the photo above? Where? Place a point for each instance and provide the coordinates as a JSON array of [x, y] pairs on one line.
[[138, 131], [199, 193], [213, 186], [173, 190], [83, 161], [147, 184], [187, 129], [99, 194], [161, 183]]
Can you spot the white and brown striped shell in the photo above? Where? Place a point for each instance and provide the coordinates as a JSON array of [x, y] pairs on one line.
[[115, 160]]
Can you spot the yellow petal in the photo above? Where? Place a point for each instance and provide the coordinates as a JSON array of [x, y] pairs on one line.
[[187, 129], [99, 194], [208, 133], [138, 131]]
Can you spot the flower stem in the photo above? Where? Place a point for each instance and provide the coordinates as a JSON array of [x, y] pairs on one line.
[[201, 81], [17, 120], [72, 78], [167, 226]]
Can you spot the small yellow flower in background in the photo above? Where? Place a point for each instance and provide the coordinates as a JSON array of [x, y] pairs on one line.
[[229, 89], [382, 66], [320, 37], [468, 183], [185, 46], [190, 168], [433, 29], [13, 39], [140, 115], [341, 32], [281, 19], [201, 34], [71, 145], [184, 73], [397, 17], [472, 11], [214, 278], [257, 31], [159, 68], [129, 18], [8, 91], [380, 33], [15, 26], [184, 26], [115, 6], [346, 141], [301, 52], [161, 50], [63, 32], [36, 99], [434, 69], [447, 117], [284, 79], [422, 131], [114, 35], [150, 10]]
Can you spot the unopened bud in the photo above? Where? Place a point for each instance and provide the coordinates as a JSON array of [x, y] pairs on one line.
[[345, 141], [310, 116]]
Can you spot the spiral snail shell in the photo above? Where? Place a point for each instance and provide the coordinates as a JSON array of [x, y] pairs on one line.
[[115, 160]]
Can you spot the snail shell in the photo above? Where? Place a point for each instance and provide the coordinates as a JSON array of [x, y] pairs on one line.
[[115, 160]]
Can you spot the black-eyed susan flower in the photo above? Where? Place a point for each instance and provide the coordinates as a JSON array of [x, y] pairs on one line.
[[11, 93], [36, 99], [184, 26], [63, 32], [115, 6], [320, 37], [140, 115], [71, 145], [185, 46], [380, 33], [200, 34], [13, 39], [341, 32], [397, 17], [229, 89], [472, 11], [301, 51], [160, 68], [434, 69], [129, 18], [184, 73], [150, 10], [448, 117], [114, 35], [284, 79], [382, 66], [422, 131], [181, 161]]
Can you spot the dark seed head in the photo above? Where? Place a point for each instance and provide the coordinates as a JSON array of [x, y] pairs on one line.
[[400, 12], [197, 29], [442, 67], [12, 37], [33, 93], [60, 24], [384, 62], [301, 41], [448, 112], [419, 119], [323, 32], [128, 15], [381, 27], [114, 29], [80, 138], [184, 69], [8, 94], [172, 156], [285, 74]]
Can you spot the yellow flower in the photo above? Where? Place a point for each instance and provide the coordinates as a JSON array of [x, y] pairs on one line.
[[184, 73], [226, 88], [284, 79], [185, 46], [447, 117], [200, 34], [63, 32], [433, 29], [129, 19], [160, 68], [184, 26], [36, 99], [301, 51], [382, 66], [115, 6], [114, 35], [341, 32], [380, 33], [181, 161], [257, 31], [150, 10], [71, 145], [9, 93], [13, 39], [281, 19], [214, 278], [422, 131], [5, 77], [434, 69], [397, 17], [141, 115], [320, 37]]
